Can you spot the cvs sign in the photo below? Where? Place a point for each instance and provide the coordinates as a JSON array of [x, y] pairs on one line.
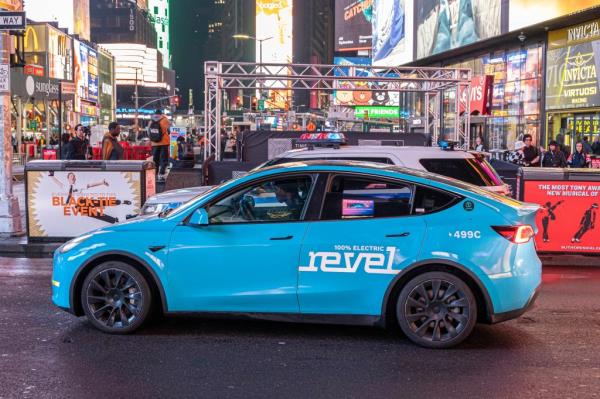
[[480, 100]]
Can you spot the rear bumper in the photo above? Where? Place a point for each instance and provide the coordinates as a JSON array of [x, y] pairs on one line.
[[513, 314]]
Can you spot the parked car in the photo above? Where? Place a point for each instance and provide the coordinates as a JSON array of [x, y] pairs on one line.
[[468, 166], [430, 254]]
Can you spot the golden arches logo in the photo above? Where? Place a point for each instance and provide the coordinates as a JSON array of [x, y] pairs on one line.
[[36, 44]]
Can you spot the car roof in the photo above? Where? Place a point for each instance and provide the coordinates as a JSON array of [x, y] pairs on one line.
[[364, 166], [374, 151]]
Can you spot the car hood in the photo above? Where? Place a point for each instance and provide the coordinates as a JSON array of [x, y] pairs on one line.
[[178, 195]]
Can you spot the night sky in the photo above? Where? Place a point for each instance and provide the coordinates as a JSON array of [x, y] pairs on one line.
[[189, 20]]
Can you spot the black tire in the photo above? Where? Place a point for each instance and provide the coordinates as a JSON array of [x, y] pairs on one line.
[[436, 310], [116, 297]]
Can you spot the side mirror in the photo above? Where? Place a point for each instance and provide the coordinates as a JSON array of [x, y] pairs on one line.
[[199, 218]]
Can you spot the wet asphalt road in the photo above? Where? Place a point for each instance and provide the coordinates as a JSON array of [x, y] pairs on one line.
[[551, 352]]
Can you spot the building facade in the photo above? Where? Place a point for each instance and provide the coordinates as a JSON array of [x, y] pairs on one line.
[[539, 60], [158, 11]]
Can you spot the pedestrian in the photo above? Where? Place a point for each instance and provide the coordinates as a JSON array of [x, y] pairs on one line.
[[554, 157], [158, 131], [111, 148], [516, 156], [531, 155], [65, 146], [586, 145], [596, 146], [479, 144], [579, 158], [78, 145]]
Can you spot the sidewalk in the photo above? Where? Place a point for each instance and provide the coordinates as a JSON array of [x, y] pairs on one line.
[[18, 246]]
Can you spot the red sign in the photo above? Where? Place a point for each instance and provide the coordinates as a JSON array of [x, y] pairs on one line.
[[35, 70], [481, 95], [567, 221]]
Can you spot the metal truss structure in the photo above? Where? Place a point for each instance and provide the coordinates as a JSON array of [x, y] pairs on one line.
[[446, 91]]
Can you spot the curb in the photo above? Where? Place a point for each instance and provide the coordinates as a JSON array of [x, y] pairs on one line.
[[20, 248]]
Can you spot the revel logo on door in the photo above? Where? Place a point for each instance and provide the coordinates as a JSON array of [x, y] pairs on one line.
[[348, 259]]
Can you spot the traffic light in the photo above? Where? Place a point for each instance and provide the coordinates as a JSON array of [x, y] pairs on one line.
[[254, 104]]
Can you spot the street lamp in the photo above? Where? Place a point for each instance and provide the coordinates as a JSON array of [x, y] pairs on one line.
[[260, 43], [241, 36]]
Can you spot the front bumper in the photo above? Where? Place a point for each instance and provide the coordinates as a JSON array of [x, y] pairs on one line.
[[513, 314]]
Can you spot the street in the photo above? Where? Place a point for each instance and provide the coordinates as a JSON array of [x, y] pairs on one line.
[[552, 351]]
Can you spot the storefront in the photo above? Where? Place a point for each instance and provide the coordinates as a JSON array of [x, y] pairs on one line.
[[515, 107], [35, 110], [572, 85], [35, 88]]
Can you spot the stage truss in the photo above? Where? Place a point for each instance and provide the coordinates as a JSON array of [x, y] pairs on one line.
[[433, 82]]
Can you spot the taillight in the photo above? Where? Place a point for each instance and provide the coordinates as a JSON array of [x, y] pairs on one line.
[[516, 234]]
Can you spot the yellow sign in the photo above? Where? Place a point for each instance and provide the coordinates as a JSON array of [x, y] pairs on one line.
[[11, 5], [585, 32]]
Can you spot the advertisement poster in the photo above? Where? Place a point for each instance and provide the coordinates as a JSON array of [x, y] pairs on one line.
[[274, 19], [359, 97], [68, 204], [447, 24], [567, 221], [571, 78], [522, 13], [392, 19], [353, 24], [92, 57]]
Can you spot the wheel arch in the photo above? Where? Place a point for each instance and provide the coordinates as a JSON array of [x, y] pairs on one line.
[[135, 261], [485, 307]]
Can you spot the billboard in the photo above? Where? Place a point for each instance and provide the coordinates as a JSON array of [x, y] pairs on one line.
[[392, 28], [359, 97], [573, 59], [68, 204], [522, 13], [447, 24], [274, 20], [353, 25], [567, 220]]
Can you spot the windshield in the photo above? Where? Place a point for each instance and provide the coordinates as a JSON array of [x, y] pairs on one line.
[[475, 171]]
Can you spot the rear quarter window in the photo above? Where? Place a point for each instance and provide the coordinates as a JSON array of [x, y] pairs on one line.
[[429, 200], [468, 170]]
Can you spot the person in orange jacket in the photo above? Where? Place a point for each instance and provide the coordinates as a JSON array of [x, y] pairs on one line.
[[159, 136]]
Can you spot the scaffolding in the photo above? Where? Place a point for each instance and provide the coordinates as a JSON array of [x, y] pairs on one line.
[[434, 83]]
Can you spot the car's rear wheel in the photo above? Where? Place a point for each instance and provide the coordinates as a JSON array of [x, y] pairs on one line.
[[116, 297], [436, 310]]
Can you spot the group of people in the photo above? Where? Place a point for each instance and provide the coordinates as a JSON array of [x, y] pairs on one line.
[[77, 146], [556, 156]]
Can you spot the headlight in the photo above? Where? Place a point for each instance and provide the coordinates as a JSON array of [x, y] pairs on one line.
[[155, 209], [69, 245]]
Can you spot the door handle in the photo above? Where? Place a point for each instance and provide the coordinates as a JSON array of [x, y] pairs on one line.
[[405, 234], [281, 238]]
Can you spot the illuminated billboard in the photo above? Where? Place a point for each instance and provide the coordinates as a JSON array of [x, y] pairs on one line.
[[522, 13], [443, 25], [86, 73], [274, 22], [392, 28], [353, 25], [573, 59], [71, 14]]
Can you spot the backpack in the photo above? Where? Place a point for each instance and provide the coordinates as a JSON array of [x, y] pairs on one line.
[[155, 133]]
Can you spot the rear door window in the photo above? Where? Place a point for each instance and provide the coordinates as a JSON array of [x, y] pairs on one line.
[[469, 170], [429, 200], [351, 197]]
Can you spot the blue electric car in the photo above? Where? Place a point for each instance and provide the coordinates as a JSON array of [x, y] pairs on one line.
[[317, 241]]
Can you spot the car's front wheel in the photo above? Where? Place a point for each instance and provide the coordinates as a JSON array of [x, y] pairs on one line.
[[436, 310], [116, 297]]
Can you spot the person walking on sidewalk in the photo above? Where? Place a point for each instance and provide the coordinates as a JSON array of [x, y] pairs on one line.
[[79, 145], [554, 157], [579, 158], [111, 148], [158, 131]]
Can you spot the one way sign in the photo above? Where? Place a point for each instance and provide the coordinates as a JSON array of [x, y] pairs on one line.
[[13, 20]]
